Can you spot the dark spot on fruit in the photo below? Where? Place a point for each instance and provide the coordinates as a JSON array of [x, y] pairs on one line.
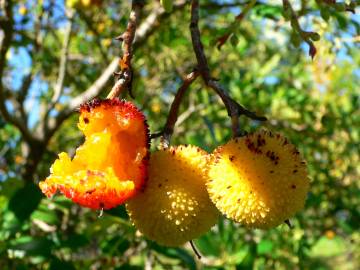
[[271, 171], [159, 185], [293, 186], [238, 200], [86, 120], [231, 158], [90, 191], [228, 187], [295, 171], [251, 192]]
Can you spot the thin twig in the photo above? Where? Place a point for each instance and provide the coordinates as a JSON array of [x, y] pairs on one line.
[[174, 109], [185, 115], [221, 40], [234, 109], [287, 222], [59, 86], [306, 36], [128, 37], [222, 5], [7, 24], [347, 6], [198, 255]]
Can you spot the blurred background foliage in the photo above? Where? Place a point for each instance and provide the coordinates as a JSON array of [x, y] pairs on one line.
[[264, 65]]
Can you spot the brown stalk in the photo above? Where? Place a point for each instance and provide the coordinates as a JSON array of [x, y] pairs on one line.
[[127, 38], [174, 109], [234, 109]]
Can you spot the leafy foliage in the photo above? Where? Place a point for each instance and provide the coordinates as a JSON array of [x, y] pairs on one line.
[[265, 66]]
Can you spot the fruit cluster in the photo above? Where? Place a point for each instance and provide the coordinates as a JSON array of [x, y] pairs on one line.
[[258, 180]]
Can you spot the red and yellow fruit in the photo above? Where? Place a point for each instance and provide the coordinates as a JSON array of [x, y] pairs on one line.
[[111, 165]]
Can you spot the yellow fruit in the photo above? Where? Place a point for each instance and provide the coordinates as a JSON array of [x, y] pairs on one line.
[[71, 3], [106, 42], [86, 3], [22, 10], [100, 27], [175, 206], [259, 180]]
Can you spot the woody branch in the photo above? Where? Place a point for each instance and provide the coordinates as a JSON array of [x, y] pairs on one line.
[[234, 109], [127, 37]]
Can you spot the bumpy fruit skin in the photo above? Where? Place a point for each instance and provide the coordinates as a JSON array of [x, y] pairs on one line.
[[259, 180], [111, 165], [175, 206]]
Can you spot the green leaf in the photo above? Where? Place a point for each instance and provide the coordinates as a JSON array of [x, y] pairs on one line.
[[10, 186], [75, 241], [176, 253], [314, 36], [167, 5], [234, 40], [119, 211], [249, 260], [268, 11], [325, 14], [265, 247], [208, 246], [32, 246], [57, 264], [25, 201], [48, 216]]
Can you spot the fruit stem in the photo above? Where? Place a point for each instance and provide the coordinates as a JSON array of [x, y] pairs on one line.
[[234, 109], [195, 249], [287, 222]]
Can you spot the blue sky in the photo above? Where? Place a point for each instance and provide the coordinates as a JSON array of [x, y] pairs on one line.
[[21, 62]]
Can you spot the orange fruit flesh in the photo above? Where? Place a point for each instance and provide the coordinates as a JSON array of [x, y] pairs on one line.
[[110, 167]]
